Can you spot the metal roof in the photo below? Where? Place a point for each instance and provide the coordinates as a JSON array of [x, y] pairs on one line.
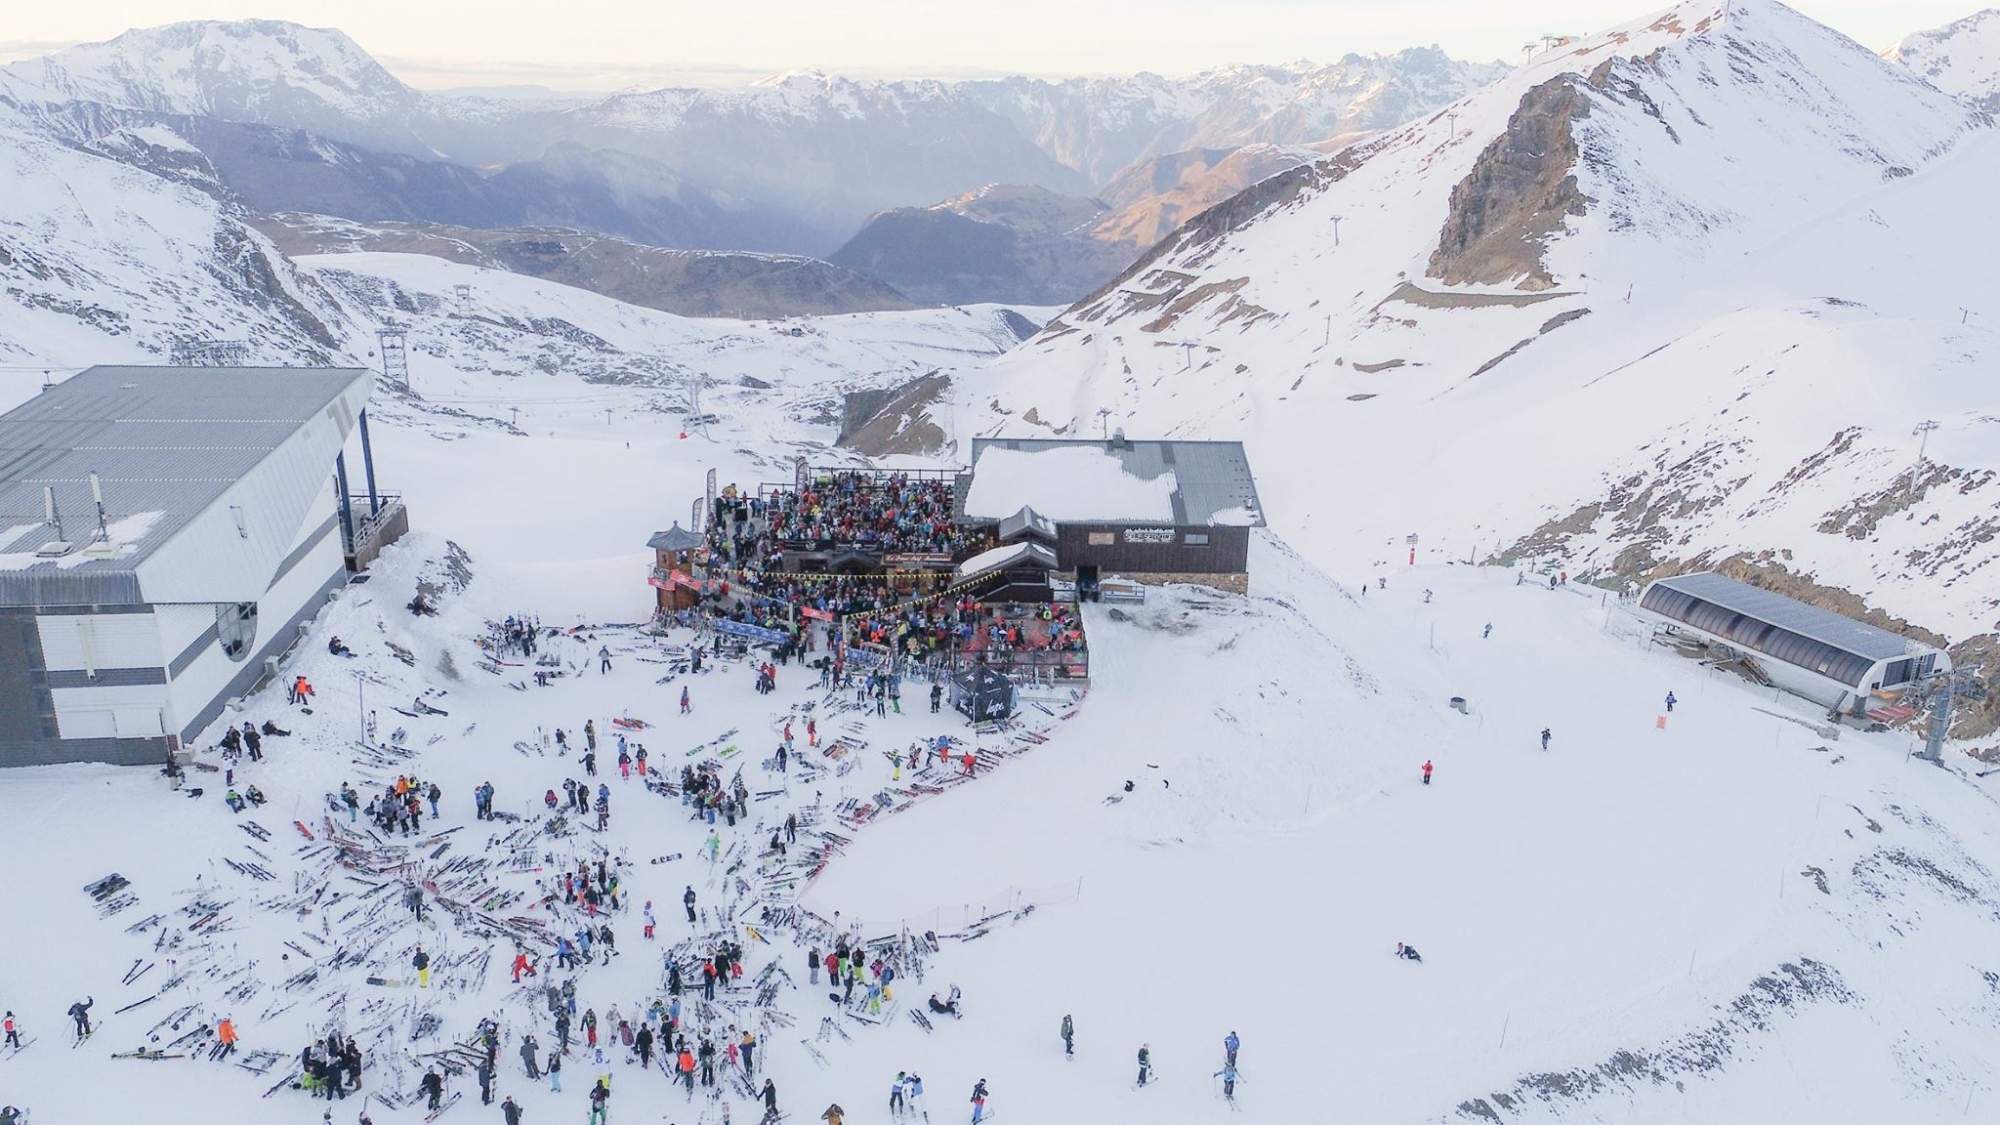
[[1024, 522], [675, 538], [1824, 625], [165, 443], [1213, 482]]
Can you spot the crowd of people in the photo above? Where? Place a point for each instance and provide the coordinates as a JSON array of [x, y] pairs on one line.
[[885, 512]]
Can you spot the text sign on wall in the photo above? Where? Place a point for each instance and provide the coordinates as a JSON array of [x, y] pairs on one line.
[[1149, 535]]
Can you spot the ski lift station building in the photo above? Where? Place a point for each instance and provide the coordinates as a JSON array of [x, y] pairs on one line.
[[1159, 511], [1832, 659], [164, 533]]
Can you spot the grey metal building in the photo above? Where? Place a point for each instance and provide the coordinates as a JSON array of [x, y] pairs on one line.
[[163, 532], [1845, 664], [1153, 510]]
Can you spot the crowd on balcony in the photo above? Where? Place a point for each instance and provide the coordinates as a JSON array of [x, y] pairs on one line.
[[881, 513]]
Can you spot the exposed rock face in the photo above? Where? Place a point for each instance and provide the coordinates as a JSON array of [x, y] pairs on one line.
[[1518, 193], [1004, 242], [685, 282], [896, 419]]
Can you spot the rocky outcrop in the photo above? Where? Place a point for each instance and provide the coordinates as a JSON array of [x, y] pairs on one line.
[[1004, 242], [894, 419], [1517, 195], [684, 282]]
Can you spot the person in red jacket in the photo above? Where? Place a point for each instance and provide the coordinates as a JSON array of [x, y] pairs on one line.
[[521, 966], [1427, 771]]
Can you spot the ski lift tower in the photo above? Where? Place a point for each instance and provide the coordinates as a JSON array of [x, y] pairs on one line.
[[1944, 689], [395, 355]]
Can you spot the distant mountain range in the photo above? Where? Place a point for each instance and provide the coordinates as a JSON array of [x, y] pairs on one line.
[[1960, 58], [302, 119]]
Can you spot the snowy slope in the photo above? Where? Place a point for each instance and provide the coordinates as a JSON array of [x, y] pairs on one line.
[[1674, 292], [101, 262], [1962, 57], [1609, 932]]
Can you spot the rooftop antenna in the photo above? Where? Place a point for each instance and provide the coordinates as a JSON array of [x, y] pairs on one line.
[[97, 497], [50, 515]]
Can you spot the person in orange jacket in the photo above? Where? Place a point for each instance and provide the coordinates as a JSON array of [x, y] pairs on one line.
[[685, 1064], [225, 1034]]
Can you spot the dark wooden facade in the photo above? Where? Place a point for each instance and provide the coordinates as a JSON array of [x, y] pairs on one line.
[[1153, 548]]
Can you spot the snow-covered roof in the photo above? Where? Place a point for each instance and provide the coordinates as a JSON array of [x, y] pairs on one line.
[[166, 443], [1010, 555], [1186, 483]]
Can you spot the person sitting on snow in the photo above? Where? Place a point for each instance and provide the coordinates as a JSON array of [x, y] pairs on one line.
[[1408, 952], [943, 1008], [338, 647], [233, 800], [254, 795]]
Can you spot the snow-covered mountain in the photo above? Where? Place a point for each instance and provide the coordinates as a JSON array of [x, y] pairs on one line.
[[266, 72], [1100, 125], [795, 163], [1962, 57], [101, 262], [1016, 242], [1675, 292]]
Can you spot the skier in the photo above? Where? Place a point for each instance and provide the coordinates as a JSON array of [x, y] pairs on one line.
[[937, 697], [649, 920], [687, 900], [554, 1071], [1145, 1062], [80, 1012], [225, 1037], [603, 659], [432, 1085], [978, 1101], [13, 1032], [896, 1095], [600, 1097], [510, 1112], [1427, 771], [914, 1092], [1545, 738], [485, 1075], [1229, 1045], [770, 1095], [1068, 1036], [687, 705], [1670, 703], [1488, 631], [1408, 953], [1228, 1076], [528, 1057], [422, 963]]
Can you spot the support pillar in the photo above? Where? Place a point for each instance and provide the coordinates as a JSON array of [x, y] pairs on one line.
[[346, 502], [368, 469]]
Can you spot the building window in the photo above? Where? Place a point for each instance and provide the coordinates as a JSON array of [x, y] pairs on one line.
[[1196, 539], [236, 628], [1103, 538]]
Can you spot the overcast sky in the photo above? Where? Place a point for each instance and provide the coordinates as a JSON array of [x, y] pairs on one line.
[[608, 44]]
